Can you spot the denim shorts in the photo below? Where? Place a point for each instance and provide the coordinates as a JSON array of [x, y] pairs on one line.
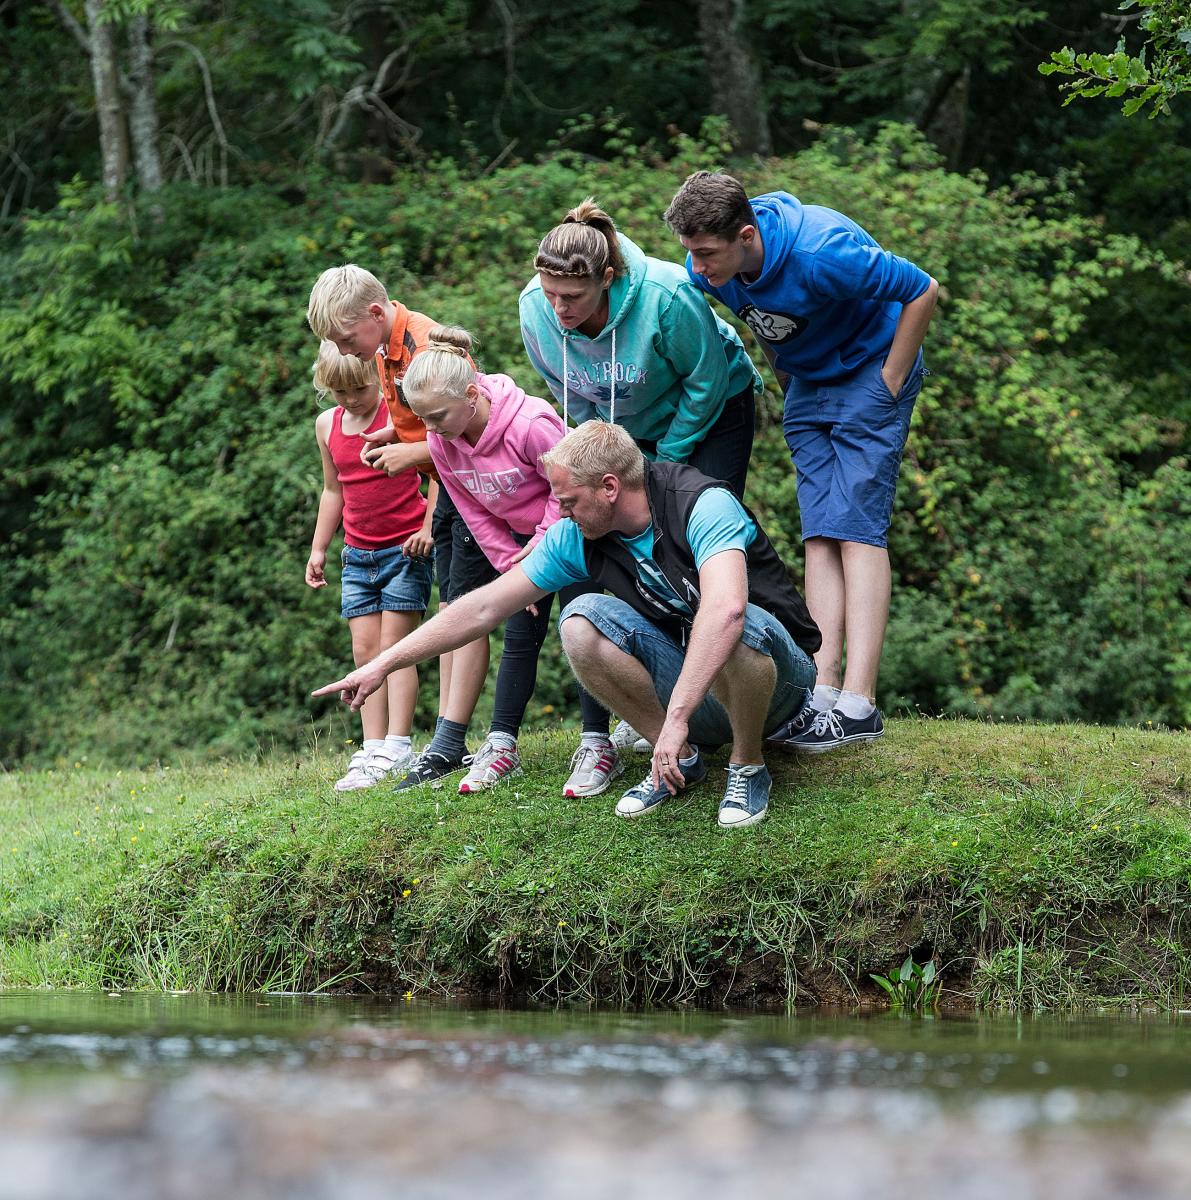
[[846, 440], [663, 658], [382, 581]]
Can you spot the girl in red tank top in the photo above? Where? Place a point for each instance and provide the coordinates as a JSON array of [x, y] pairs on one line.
[[386, 558]]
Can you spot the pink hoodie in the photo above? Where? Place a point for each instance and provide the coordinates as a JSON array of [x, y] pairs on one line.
[[498, 485]]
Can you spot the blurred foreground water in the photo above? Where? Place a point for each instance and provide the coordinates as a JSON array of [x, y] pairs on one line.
[[296, 1097]]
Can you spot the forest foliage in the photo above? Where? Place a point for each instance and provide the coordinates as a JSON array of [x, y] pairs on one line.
[[161, 479]]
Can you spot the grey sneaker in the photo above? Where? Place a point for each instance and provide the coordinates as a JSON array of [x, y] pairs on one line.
[[645, 798], [592, 769], [746, 798], [491, 764], [625, 737]]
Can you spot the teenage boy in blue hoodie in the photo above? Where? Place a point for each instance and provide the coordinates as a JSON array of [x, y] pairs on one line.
[[842, 323]]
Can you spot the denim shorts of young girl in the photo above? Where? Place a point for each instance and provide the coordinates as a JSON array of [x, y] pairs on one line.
[[383, 580]]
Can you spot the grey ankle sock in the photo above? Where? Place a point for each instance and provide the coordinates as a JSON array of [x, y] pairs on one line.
[[449, 739]]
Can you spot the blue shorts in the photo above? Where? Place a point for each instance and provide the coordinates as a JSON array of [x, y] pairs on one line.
[[663, 658], [846, 440], [382, 581]]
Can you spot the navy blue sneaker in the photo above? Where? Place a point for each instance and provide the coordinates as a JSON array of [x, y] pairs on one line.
[[831, 730], [746, 798], [645, 798], [427, 767], [795, 727]]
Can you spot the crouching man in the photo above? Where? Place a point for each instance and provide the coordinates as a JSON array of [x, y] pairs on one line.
[[701, 641]]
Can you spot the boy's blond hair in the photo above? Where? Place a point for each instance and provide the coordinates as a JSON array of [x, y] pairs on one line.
[[596, 449], [341, 372], [340, 296]]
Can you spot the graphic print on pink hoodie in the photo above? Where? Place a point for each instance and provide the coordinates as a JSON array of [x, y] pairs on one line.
[[498, 484]]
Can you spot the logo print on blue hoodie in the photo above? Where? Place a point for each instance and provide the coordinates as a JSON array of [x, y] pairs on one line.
[[773, 327]]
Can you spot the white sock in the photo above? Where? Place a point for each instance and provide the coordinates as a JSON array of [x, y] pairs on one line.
[[371, 744], [823, 697], [690, 762], [591, 738], [506, 741], [397, 744], [854, 705]]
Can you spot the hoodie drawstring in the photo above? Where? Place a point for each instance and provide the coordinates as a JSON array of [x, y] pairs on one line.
[[566, 391], [612, 413]]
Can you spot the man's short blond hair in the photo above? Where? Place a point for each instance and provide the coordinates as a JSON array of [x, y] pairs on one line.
[[596, 449], [340, 296]]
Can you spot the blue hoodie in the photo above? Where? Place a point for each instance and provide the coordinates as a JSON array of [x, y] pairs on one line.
[[662, 366], [828, 298]]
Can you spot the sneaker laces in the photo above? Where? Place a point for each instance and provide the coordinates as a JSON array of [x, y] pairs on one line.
[[645, 787], [737, 791], [579, 758], [828, 722], [484, 756]]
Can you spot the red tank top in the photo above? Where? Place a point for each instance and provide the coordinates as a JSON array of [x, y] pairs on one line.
[[379, 510]]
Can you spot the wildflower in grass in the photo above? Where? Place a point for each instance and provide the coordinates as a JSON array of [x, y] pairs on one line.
[[416, 882], [405, 893], [562, 924], [77, 765], [1095, 826], [409, 995], [133, 838], [76, 833], [955, 843]]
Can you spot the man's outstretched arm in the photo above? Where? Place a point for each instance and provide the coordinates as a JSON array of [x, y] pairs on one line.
[[462, 621]]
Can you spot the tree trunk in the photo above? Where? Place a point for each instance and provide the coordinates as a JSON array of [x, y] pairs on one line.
[[113, 137], [945, 117], [735, 77], [142, 107]]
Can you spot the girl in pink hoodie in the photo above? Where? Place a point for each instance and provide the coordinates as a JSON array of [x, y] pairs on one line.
[[485, 436]]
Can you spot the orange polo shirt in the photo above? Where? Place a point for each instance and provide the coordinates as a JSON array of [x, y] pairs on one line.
[[410, 332]]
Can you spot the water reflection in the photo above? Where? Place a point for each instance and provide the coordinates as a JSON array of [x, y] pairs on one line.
[[301, 1096]]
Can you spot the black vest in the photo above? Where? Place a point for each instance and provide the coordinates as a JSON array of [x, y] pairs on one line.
[[672, 489]]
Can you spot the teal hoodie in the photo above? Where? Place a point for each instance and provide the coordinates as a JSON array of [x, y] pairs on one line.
[[662, 366]]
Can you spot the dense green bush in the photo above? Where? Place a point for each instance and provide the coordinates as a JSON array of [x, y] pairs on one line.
[[160, 480]]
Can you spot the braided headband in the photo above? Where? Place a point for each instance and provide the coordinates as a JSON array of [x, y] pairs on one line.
[[545, 270]]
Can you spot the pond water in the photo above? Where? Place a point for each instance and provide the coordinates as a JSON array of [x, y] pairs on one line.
[[301, 1097]]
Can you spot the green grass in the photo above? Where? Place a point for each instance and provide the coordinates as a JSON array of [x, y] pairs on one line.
[[1039, 866]]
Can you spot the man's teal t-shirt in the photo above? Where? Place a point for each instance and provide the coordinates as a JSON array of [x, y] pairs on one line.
[[718, 522]]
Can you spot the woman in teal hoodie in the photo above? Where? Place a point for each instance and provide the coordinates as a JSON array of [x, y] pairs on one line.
[[621, 337]]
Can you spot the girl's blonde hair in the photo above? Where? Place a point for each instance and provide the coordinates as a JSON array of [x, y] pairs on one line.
[[584, 246], [335, 372], [443, 368], [340, 296]]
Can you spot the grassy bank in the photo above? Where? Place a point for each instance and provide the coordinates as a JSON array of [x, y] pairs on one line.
[[1039, 865]]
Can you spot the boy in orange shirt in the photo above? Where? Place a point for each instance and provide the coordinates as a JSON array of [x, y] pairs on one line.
[[350, 307]]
